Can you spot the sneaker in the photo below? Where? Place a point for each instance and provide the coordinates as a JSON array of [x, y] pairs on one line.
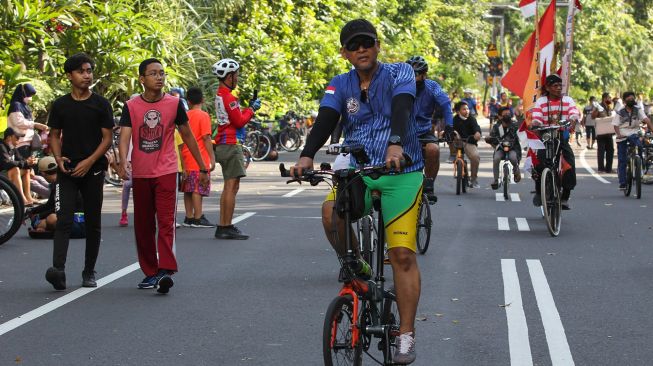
[[148, 282], [88, 279], [188, 222], [537, 200], [56, 277], [429, 190], [201, 222], [165, 282], [495, 185], [124, 221], [474, 184], [405, 352], [622, 187], [565, 205], [517, 175], [229, 232]]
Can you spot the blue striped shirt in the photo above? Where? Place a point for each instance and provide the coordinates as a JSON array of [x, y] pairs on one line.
[[425, 104], [368, 124]]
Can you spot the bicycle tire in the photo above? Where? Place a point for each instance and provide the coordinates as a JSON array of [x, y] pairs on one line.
[[289, 139], [629, 177], [263, 148], [424, 224], [366, 231], [550, 202], [11, 212], [251, 141], [459, 177], [247, 157], [338, 322], [389, 316], [506, 180], [111, 177], [638, 177], [465, 177]]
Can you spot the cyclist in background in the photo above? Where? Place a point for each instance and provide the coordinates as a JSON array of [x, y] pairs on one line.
[[506, 130], [627, 124], [377, 100], [470, 132], [429, 96], [551, 108]]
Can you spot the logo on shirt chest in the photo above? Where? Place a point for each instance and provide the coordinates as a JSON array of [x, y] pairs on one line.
[[353, 106], [151, 132]]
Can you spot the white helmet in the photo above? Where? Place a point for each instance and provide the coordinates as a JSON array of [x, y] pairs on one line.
[[224, 67]]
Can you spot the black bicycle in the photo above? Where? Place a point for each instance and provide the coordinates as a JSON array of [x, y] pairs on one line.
[[257, 140], [12, 209], [551, 180], [363, 309], [633, 168], [647, 158], [290, 137]]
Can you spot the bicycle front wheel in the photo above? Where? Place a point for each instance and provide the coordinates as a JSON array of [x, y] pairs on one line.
[[263, 148], [459, 177], [629, 177], [290, 139], [11, 210], [337, 343], [390, 318], [506, 180], [424, 225], [550, 202]]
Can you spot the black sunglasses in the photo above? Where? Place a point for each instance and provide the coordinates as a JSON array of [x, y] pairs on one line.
[[356, 43]]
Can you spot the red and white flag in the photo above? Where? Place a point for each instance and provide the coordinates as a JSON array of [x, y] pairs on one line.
[[530, 161], [528, 138], [527, 8]]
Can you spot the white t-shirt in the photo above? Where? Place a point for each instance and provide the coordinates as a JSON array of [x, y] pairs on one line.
[[628, 123]]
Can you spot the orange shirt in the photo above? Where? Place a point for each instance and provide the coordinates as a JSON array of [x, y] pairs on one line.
[[200, 124]]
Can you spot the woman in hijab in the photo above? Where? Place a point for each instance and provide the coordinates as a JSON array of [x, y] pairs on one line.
[[20, 118]]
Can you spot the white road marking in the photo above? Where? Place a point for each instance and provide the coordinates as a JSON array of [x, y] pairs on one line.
[[522, 224], [292, 193], [291, 217], [514, 197], [499, 197], [503, 223], [65, 299], [555, 332], [520, 348], [589, 169]]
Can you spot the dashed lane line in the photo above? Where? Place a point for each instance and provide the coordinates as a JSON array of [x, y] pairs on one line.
[[65, 299], [553, 329], [292, 193], [503, 224], [518, 341], [522, 224], [514, 197]]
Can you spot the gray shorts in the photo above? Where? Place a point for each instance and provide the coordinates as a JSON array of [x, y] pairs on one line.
[[230, 158]]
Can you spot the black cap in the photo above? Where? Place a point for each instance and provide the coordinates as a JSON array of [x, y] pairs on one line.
[[11, 132], [552, 79], [358, 27]]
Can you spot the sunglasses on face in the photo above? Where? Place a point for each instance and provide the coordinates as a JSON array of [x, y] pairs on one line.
[[356, 43]]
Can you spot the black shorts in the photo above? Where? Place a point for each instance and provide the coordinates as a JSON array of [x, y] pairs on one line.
[[428, 138]]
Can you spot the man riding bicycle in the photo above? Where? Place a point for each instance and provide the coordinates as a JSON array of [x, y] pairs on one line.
[[377, 100], [551, 108], [627, 122], [505, 131], [429, 96]]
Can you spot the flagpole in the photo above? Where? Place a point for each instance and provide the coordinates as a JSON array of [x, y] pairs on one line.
[[569, 48]]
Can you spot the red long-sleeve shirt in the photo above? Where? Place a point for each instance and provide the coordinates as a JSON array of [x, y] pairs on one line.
[[230, 116]]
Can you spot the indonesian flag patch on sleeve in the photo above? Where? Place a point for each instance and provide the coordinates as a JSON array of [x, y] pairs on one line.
[[330, 90], [233, 105]]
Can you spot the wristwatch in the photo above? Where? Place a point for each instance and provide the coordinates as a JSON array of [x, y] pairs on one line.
[[204, 171], [394, 140]]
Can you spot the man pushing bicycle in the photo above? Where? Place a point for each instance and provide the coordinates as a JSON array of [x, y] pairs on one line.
[[377, 101]]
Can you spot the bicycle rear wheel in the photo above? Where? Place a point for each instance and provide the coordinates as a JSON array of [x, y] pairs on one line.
[[290, 139], [367, 239], [629, 177], [424, 225], [263, 148], [506, 180], [638, 177], [251, 141], [459, 177], [550, 202], [337, 334], [11, 210]]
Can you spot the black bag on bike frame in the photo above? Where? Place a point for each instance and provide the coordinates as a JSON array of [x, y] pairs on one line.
[[356, 189]]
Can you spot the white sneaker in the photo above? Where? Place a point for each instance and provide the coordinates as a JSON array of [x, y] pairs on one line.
[[405, 352]]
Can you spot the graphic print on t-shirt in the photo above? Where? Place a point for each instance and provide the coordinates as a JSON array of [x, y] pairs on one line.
[[221, 112], [151, 132]]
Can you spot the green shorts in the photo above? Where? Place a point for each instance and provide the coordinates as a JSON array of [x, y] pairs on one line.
[[401, 196], [230, 158]]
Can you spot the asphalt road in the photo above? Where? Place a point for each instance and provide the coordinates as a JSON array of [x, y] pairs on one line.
[[489, 297]]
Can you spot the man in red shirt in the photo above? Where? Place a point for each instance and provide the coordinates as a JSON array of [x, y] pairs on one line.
[[228, 153], [152, 117]]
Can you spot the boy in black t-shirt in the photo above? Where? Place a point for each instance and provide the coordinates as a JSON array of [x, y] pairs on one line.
[[81, 124]]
